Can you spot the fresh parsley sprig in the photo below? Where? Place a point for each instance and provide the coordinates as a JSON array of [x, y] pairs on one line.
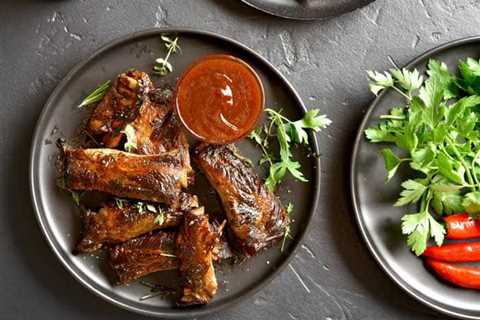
[[287, 133], [96, 95], [162, 67], [437, 132]]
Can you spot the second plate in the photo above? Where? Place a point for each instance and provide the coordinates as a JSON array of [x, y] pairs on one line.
[[380, 222]]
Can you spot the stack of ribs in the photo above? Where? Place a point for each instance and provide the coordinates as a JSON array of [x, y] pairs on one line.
[[157, 172]]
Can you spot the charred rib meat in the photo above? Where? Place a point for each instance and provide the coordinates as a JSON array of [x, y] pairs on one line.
[[140, 256], [155, 138], [120, 106], [195, 246], [113, 224], [156, 178], [123, 257], [254, 214], [157, 130]]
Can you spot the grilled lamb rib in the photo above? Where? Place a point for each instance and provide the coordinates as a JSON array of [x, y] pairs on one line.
[[254, 214], [143, 255], [156, 178], [196, 243], [112, 224], [137, 257], [119, 106]]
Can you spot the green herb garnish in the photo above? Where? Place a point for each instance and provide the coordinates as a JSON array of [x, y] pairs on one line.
[[96, 95], [76, 197], [131, 143], [160, 218], [437, 132], [162, 66], [120, 202], [287, 133], [151, 208], [289, 208], [140, 207], [286, 234]]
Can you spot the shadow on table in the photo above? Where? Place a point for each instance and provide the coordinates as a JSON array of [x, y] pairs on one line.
[[25, 236]]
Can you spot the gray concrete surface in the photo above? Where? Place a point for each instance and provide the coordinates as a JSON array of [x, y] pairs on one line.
[[41, 40]]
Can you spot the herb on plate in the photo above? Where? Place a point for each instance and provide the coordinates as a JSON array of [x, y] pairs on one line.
[[131, 143], [120, 203], [140, 207], [160, 218], [76, 196], [286, 234], [162, 66], [287, 133], [96, 95], [436, 134], [156, 290]]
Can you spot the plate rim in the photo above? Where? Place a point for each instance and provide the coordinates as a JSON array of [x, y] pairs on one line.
[[404, 285], [41, 217], [303, 18]]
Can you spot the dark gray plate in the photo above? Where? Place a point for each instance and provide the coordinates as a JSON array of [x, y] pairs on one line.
[[379, 221], [59, 220], [307, 9]]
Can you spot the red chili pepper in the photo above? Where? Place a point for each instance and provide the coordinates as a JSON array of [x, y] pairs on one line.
[[455, 252], [462, 276], [461, 226]]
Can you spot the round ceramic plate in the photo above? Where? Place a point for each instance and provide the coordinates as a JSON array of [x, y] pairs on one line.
[[307, 9], [59, 219], [380, 222]]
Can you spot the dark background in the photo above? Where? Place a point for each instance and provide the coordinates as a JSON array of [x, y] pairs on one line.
[[40, 41]]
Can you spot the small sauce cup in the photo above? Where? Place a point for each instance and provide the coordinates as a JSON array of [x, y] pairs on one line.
[[219, 99]]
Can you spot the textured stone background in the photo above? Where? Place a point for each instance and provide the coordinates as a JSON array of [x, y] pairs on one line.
[[41, 40]]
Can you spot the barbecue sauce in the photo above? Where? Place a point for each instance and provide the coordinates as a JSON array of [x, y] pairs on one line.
[[219, 99]]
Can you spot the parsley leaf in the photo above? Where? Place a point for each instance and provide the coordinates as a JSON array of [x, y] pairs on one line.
[[379, 81], [471, 202], [439, 71], [412, 192], [408, 80], [286, 133], [470, 75], [419, 227], [392, 162]]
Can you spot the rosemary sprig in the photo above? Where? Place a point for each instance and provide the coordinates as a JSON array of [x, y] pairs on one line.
[[156, 290], [96, 95]]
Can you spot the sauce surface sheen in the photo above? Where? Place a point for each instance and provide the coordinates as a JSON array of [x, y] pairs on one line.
[[219, 99]]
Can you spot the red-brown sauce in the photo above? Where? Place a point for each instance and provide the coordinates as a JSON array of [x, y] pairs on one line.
[[219, 99]]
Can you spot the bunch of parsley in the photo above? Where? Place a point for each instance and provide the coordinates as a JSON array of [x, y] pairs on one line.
[[437, 135], [286, 133]]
